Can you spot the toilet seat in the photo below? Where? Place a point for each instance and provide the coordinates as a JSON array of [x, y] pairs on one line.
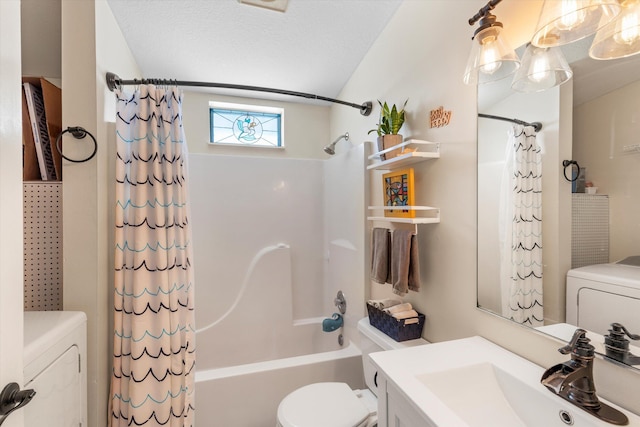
[[322, 405]]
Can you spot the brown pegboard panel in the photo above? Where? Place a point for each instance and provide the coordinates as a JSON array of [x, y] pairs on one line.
[[42, 202]]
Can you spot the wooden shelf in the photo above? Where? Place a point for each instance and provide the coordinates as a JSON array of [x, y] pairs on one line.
[[424, 150]]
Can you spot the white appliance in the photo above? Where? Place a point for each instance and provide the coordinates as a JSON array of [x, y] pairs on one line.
[[598, 295], [55, 348], [335, 404]]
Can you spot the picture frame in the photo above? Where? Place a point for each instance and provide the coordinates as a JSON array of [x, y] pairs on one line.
[[398, 190]]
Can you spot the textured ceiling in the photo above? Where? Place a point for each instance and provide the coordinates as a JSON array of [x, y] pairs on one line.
[[313, 47]]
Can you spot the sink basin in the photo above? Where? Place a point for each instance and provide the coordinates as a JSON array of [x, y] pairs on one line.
[[473, 382], [489, 396]]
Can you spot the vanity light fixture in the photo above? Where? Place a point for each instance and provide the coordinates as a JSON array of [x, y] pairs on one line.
[[491, 57], [541, 68], [566, 21], [620, 38]]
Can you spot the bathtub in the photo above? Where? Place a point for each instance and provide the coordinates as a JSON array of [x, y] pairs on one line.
[[248, 395]]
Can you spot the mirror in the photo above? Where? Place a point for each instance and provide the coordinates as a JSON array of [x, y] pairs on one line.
[[605, 144]]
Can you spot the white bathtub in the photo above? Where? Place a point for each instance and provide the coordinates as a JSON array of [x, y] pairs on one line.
[[248, 395]]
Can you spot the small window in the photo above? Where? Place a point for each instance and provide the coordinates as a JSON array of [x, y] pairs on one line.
[[246, 125]]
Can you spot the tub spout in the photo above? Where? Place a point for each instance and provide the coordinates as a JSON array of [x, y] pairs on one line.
[[335, 322]]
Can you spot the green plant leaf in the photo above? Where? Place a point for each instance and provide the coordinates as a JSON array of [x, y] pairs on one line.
[[391, 119]]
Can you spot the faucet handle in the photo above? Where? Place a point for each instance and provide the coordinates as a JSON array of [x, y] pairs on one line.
[[617, 345], [618, 330], [579, 345]]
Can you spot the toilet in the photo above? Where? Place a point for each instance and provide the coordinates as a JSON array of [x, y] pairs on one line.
[[336, 404]]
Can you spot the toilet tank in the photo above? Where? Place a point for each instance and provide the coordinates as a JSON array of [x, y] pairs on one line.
[[598, 295], [373, 340], [55, 346]]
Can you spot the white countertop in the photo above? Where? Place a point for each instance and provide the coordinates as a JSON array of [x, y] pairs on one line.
[[407, 369]]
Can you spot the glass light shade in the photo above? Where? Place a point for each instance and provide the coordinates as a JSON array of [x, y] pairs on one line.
[[541, 68], [566, 21], [491, 58], [620, 38]]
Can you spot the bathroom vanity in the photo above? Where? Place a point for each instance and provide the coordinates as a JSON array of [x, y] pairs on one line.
[[470, 382]]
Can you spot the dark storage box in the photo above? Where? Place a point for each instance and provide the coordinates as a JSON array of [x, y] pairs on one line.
[[393, 327]]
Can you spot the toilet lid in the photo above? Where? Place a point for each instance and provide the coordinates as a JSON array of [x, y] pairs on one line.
[[322, 405]]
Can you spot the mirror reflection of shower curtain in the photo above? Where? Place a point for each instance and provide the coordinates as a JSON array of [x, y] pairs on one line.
[[520, 228]]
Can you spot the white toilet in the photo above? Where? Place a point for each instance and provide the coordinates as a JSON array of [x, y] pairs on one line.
[[335, 404]]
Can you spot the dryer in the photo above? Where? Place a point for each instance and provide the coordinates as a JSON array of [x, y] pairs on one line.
[[598, 295], [55, 347]]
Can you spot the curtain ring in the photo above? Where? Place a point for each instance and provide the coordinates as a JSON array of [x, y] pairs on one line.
[[78, 132], [566, 164]]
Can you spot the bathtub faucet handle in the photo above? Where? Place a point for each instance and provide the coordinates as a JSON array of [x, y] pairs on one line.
[[340, 302]]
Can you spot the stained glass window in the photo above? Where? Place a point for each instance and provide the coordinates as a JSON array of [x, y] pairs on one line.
[[246, 125]]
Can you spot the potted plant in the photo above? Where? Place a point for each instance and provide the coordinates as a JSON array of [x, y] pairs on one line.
[[390, 123]]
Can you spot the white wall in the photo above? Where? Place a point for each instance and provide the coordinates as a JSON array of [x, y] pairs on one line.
[[602, 128], [92, 44], [41, 46], [421, 55]]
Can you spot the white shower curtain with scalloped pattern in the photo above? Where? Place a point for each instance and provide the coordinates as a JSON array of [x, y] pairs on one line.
[[521, 228], [154, 333]]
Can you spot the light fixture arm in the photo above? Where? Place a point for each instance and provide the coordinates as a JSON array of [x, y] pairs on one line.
[[491, 57], [484, 11], [487, 21]]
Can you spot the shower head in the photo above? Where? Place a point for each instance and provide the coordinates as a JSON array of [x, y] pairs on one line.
[[330, 149]]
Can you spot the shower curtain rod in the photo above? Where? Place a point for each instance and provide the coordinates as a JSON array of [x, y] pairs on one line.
[[536, 125], [113, 82]]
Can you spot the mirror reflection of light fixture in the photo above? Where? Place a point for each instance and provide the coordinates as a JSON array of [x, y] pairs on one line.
[[541, 68], [620, 38], [566, 21], [491, 57]]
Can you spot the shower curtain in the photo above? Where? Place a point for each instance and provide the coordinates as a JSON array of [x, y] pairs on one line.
[[521, 228], [152, 382]]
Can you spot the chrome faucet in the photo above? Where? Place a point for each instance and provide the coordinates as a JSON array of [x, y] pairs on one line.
[[617, 346], [573, 380]]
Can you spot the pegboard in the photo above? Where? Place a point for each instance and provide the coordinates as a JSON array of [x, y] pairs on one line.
[[42, 216], [589, 229]]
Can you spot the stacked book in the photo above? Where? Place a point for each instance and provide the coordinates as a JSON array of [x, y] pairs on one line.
[[41, 126]]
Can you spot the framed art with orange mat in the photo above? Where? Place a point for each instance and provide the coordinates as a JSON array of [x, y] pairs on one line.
[[399, 190]]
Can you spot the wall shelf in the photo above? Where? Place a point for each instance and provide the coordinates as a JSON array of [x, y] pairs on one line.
[[429, 214], [421, 151]]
